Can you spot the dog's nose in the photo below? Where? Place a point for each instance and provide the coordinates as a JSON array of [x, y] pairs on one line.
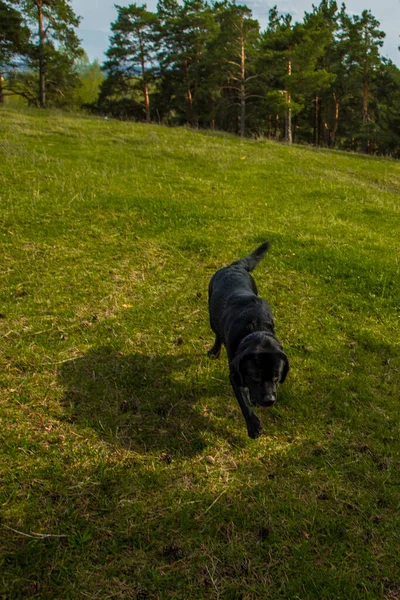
[[268, 401]]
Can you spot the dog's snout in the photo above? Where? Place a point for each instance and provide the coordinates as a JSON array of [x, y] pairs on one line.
[[268, 395], [264, 402], [269, 401]]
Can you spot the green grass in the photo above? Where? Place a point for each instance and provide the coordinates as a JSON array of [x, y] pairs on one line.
[[126, 470]]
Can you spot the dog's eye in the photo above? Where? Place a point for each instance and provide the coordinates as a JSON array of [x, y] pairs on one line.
[[256, 377]]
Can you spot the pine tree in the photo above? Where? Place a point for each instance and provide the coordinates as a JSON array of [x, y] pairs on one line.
[[327, 105], [56, 45], [291, 55], [235, 51], [387, 108], [132, 51], [362, 39], [185, 33], [276, 60]]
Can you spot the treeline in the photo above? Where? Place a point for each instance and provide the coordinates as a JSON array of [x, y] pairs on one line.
[[208, 64], [321, 81]]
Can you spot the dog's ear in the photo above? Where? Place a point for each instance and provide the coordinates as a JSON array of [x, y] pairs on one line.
[[285, 369], [234, 366]]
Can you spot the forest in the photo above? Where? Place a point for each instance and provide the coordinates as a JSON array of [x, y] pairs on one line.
[[209, 65]]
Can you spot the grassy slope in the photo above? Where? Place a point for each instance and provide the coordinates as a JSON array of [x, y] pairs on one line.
[[118, 434]]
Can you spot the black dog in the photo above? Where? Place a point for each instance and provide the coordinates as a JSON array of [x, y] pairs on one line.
[[243, 322]]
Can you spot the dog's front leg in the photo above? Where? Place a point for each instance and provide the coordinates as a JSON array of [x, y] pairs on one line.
[[254, 427]]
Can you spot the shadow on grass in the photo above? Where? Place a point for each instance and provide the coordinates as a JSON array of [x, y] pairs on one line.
[[145, 403]]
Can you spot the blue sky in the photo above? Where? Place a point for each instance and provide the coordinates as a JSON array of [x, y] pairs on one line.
[[97, 16]]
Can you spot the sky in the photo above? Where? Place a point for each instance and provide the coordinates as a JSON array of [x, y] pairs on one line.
[[97, 15]]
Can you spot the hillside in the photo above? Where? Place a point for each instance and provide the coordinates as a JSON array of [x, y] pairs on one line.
[[126, 471]]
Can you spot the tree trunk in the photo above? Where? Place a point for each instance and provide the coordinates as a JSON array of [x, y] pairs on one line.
[[42, 61], [145, 85], [189, 99], [288, 116], [1, 89], [316, 121], [365, 116], [332, 136], [242, 86], [365, 102], [276, 135], [146, 101], [195, 113], [320, 124]]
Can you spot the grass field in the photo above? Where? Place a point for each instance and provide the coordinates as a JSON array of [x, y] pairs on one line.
[[126, 470]]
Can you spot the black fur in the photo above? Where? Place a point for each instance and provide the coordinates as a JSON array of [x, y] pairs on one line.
[[243, 322]]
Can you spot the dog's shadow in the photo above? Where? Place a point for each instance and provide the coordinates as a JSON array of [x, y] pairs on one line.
[[144, 403]]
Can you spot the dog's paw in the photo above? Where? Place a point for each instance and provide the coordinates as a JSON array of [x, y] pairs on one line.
[[255, 430], [213, 353]]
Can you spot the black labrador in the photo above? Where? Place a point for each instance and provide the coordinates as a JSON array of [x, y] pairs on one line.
[[243, 322]]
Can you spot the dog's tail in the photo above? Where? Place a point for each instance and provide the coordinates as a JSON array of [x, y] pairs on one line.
[[252, 260]]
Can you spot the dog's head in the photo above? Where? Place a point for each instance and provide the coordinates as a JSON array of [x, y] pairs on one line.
[[260, 365]]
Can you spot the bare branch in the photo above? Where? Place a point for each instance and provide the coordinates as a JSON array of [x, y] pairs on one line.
[[231, 62], [252, 77]]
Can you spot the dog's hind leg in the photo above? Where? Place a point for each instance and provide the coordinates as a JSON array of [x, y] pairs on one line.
[[216, 349]]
